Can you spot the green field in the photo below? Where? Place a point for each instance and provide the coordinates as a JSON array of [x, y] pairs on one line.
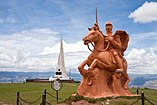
[[32, 91]]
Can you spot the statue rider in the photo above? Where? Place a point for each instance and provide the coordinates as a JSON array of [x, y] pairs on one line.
[[115, 47]]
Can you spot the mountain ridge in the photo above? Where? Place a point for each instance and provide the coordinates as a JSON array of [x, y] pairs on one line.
[[137, 80]]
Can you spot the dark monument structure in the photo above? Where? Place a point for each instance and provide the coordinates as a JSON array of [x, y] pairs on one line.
[[107, 68]]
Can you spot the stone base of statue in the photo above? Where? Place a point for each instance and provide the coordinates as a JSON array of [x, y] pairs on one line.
[[98, 83]]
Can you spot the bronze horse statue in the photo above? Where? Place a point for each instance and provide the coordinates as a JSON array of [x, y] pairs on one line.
[[99, 80]]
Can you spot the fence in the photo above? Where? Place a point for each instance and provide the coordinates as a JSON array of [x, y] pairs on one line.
[[142, 99], [43, 97]]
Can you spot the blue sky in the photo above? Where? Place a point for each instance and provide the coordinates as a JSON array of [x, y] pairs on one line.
[[66, 15], [30, 31]]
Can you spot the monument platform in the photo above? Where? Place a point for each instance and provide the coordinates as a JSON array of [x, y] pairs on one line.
[[47, 80]]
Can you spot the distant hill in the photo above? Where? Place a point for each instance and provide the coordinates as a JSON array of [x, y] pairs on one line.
[[22, 76], [143, 80], [137, 80]]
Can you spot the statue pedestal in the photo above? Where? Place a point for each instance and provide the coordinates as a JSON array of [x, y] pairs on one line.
[[98, 83]]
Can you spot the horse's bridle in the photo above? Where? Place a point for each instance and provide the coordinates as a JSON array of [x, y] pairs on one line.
[[97, 48]]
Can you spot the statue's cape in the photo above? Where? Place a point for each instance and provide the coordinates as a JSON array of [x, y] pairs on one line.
[[124, 37]]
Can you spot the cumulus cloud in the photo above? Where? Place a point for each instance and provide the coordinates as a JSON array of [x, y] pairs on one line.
[[14, 59], [24, 51], [19, 51], [139, 60], [34, 49], [33, 40], [146, 13], [68, 47], [10, 57], [143, 40], [142, 61], [74, 53]]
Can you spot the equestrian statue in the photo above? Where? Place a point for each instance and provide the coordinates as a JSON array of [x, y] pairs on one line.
[[107, 68]]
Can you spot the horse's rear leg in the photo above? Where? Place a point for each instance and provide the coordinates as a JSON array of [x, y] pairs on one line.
[[81, 67], [100, 63]]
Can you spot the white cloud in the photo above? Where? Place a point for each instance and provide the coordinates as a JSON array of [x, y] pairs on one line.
[[146, 13], [143, 40], [13, 59], [19, 51], [10, 57], [33, 40], [141, 61], [68, 47], [22, 51], [38, 49], [75, 53]]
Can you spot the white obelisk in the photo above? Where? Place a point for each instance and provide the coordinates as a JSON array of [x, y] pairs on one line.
[[60, 70]]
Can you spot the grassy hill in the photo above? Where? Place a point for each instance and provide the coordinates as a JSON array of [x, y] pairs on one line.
[[32, 91]]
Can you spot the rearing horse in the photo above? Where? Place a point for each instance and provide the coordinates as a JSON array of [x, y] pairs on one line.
[[100, 57]]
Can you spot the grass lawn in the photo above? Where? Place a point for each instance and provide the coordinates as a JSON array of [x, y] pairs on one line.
[[32, 91]]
